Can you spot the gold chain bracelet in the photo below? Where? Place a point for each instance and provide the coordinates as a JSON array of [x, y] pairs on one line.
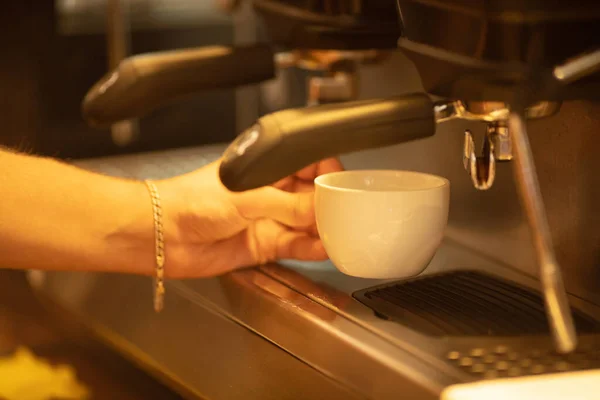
[[159, 285]]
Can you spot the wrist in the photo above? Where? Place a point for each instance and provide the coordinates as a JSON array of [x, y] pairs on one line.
[[134, 236], [131, 239], [175, 246]]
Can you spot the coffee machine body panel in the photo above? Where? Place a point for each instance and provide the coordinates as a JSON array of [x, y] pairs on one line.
[[332, 25], [487, 50]]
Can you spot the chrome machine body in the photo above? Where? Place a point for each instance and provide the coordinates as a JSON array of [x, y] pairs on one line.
[[520, 247]]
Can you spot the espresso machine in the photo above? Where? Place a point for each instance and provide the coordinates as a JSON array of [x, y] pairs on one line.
[[512, 291]]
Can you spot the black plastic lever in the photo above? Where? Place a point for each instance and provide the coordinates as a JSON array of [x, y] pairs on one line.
[[284, 142], [145, 82]]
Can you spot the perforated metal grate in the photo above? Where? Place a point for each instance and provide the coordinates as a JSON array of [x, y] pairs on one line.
[[466, 303], [505, 361]]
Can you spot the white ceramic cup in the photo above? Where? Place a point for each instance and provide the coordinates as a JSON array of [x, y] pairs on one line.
[[381, 224]]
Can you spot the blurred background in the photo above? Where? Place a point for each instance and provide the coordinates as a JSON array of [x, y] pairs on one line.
[[54, 51]]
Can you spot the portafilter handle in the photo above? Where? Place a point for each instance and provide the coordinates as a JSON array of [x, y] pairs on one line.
[[144, 82], [284, 142]]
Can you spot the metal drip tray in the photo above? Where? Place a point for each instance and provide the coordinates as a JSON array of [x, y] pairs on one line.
[[465, 303], [490, 327]]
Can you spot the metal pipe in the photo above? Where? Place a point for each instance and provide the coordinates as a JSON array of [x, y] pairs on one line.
[[118, 46], [555, 296]]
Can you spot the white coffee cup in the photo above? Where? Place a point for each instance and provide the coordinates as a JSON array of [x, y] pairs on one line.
[[381, 224]]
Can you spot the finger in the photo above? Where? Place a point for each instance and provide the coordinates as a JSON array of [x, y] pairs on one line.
[[322, 167], [265, 241], [302, 187], [329, 165], [300, 246], [291, 209], [308, 173], [285, 183], [309, 230], [295, 185]]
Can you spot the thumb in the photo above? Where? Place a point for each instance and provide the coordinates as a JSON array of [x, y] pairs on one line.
[[291, 209]]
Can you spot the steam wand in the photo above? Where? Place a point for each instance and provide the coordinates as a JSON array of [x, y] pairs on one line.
[[555, 296]]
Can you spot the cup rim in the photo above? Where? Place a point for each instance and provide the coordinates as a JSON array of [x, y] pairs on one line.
[[319, 181]]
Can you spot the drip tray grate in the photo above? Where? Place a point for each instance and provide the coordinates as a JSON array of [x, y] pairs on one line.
[[505, 361], [465, 303]]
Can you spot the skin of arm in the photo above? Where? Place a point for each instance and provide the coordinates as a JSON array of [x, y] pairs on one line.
[[54, 216], [58, 217]]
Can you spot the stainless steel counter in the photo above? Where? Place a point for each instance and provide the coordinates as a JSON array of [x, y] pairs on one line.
[[283, 331]]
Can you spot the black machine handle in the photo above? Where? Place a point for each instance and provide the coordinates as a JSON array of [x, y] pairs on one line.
[[284, 142], [145, 82]]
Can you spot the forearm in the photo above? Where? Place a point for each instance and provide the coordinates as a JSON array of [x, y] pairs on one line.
[[56, 216]]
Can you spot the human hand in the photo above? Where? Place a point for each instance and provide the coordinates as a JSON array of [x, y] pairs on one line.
[[210, 230]]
